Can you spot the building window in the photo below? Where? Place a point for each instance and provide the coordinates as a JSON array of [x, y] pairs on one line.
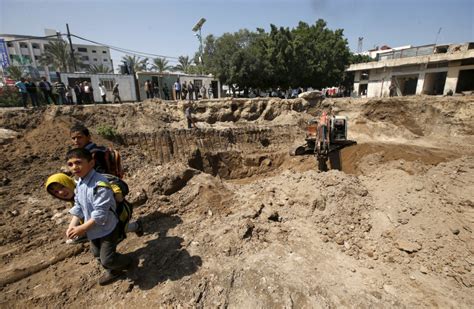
[[37, 57], [198, 83], [82, 49], [9, 44], [85, 58], [104, 52], [364, 75], [95, 59], [108, 83], [94, 51], [23, 45], [105, 60], [35, 46], [441, 49]]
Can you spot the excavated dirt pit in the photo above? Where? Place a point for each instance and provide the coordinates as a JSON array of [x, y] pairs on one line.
[[231, 220]]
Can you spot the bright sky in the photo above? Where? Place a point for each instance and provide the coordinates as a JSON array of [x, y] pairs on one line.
[[164, 27]]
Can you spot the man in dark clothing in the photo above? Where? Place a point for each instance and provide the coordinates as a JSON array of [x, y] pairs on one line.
[[77, 91], [191, 91], [32, 92], [189, 117], [61, 90], [47, 90]]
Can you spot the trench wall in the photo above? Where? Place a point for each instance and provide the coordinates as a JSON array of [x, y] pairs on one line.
[[180, 144]]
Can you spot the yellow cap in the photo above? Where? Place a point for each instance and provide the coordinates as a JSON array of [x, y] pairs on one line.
[[62, 179]]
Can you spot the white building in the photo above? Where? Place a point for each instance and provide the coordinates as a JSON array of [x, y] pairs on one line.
[[126, 84], [430, 69], [25, 50]]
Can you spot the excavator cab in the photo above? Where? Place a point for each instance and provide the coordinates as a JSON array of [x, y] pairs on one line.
[[338, 129]]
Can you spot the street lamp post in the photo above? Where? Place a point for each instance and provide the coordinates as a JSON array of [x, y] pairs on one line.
[[197, 29]]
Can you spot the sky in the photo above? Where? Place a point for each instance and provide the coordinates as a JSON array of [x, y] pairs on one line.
[[163, 27]]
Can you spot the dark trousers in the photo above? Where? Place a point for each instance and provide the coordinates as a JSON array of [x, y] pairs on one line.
[[104, 100], [61, 98], [117, 97], [47, 94], [149, 95], [79, 98], [104, 249], [24, 98], [69, 100], [34, 99]]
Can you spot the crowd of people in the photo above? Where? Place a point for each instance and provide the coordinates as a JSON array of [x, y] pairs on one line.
[[45, 92], [179, 91]]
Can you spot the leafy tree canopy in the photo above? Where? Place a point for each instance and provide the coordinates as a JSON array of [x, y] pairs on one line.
[[307, 56]]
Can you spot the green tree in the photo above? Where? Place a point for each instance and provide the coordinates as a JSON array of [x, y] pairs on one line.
[[308, 56], [161, 65], [184, 64], [136, 63], [321, 55], [14, 72], [57, 55], [99, 68], [280, 54]]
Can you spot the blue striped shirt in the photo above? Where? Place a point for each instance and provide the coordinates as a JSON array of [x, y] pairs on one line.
[[92, 201]]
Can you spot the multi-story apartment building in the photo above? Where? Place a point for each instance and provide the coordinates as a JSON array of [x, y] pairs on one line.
[[26, 50]]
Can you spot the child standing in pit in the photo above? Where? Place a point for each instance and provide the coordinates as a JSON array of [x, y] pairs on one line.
[[93, 204]]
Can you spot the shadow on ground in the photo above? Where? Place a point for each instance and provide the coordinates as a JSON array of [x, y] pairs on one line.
[[163, 258]]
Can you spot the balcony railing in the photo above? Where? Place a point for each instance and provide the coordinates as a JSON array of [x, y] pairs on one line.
[[405, 53]]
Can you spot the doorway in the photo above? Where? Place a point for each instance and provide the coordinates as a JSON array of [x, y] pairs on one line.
[[465, 81], [407, 84], [434, 83]]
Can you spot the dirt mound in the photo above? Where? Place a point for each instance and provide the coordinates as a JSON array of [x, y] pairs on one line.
[[231, 220]]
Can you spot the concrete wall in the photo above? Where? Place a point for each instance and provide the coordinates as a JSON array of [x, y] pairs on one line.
[[126, 85]]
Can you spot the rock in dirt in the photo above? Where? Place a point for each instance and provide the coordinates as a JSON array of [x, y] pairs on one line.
[[408, 246]]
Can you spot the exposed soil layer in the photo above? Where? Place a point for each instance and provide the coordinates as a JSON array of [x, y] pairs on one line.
[[231, 220]]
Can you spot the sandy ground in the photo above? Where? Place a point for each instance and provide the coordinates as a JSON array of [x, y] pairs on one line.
[[231, 220]]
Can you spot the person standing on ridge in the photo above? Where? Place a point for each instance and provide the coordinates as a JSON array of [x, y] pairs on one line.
[[116, 94], [103, 93], [47, 90], [23, 92]]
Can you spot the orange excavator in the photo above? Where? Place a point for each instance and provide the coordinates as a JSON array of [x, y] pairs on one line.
[[325, 138]]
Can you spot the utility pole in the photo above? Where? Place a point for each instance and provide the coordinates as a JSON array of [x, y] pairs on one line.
[[72, 49]]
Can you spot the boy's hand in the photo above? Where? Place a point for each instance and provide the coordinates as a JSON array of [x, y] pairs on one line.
[[76, 231]]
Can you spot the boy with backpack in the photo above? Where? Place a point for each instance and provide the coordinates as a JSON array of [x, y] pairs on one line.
[[107, 161], [94, 203], [62, 186]]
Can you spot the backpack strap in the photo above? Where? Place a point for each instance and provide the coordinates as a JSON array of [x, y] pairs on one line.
[[103, 184]]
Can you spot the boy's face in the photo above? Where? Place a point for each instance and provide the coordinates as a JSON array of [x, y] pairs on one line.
[[79, 140], [80, 167], [61, 192]]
